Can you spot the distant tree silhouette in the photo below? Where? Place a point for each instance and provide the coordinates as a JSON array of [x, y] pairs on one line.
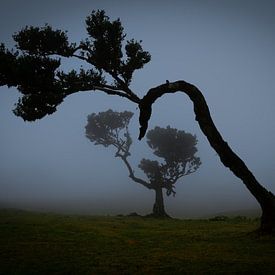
[[175, 147], [33, 70]]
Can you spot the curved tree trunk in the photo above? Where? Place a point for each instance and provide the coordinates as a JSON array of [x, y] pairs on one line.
[[158, 208], [265, 198]]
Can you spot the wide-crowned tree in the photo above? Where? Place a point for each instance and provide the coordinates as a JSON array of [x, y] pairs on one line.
[[176, 148], [34, 69], [177, 151]]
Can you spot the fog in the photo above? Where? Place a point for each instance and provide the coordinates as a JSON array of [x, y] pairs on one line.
[[226, 48]]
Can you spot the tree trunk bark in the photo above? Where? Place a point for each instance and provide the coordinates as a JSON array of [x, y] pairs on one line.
[[265, 198], [158, 208]]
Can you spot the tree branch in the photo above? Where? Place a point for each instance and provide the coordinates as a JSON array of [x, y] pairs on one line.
[[201, 110], [110, 91], [106, 89], [125, 87], [131, 173], [80, 57]]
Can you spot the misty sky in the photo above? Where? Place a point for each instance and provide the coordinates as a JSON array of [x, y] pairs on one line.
[[224, 47]]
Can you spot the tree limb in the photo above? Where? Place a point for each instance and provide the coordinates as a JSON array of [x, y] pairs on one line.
[[227, 156], [131, 173], [106, 89], [111, 91], [125, 88], [81, 57]]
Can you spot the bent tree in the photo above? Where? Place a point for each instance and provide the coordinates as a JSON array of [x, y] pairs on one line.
[[34, 69], [175, 147]]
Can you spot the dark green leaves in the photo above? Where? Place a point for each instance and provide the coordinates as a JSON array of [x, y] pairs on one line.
[[34, 77], [106, 51], [136, 59], [152, 170], [107, 40], [7, 66], [34, 73], [35, 106], [85, 80], [109, 128], [178, 149], [43, 41], [32, 69], [171, 144]]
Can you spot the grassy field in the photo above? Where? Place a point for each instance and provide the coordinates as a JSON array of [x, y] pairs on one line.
[[35, 243]]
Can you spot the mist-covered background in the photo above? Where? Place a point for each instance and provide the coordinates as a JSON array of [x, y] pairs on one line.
[[226, 48]]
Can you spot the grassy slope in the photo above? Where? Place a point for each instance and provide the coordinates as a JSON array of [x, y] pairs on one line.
[[53, 244]]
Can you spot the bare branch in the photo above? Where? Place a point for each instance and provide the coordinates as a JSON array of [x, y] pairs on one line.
[[81, 57], [111, 91], [131, 173], [201, 110], [108, 89]]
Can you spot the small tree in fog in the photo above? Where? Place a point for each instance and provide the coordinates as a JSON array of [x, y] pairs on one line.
[[176, 148]]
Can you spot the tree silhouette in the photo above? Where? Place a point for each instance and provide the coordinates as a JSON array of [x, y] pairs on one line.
[[176, 148], [33, 69]]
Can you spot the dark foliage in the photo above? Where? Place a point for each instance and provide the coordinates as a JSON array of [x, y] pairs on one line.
[[171, 144], [34, 67], [43, 41], [110, 128], [175, 147]]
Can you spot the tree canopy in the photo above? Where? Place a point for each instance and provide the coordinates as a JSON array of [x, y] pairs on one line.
[[34, 66], [174, 148], [177, 149], [110, 128]]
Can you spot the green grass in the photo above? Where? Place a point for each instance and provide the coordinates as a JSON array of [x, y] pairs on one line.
[[34, 243]]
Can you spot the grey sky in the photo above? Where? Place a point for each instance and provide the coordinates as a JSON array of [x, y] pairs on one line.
[[226, 48]]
